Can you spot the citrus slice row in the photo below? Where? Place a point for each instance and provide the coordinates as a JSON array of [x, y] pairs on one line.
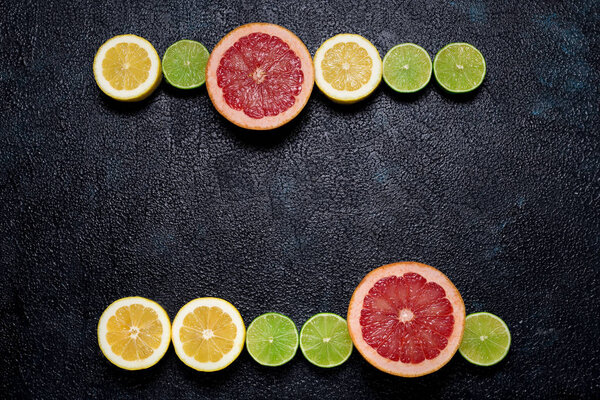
[[127, 68], [208, 334], [134, 333]]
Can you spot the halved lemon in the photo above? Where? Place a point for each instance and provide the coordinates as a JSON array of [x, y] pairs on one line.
[[208, 334], [127, 68], [134, 333], [348, 68]]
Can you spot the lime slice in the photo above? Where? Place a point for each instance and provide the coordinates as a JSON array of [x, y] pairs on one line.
[[486, 339], [272, 339], [407, 68], [324, 340], [459, 68], [184, 64]]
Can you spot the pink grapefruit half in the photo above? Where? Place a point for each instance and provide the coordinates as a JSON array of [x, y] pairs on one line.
[[259, 76], [406, 319]]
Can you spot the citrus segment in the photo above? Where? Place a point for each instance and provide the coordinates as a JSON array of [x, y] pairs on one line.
[[486, 340], [406, 319], [269, 71], [407, 68], [459, 68], [127, 68], [208, 334], [259, 76], [347, 68], [324, 340], [134, 333], [272, 339], [184, 64]]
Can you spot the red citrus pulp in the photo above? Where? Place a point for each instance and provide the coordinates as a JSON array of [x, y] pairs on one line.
[[259, 76], [406, 319]]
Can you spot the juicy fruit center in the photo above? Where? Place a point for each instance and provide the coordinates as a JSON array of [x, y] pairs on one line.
[[325, 340], [260, 75], [460, 67], [207, 334], [347, 66], [126, 66], [407, 319], [406, 68], [134, 332], [272, 338]]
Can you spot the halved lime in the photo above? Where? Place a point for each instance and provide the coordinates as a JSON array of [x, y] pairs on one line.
[[184, 64], [486, 339], [324, 340], [459, 68], [407, 68], [272, 339]]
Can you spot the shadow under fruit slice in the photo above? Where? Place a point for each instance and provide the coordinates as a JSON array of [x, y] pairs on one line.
[[259, 76], [406, 319]]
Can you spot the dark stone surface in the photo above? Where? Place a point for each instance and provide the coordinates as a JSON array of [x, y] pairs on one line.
[[166, 199]]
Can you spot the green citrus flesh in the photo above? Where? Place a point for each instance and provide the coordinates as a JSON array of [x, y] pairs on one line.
[[459, 68], [184, 64], [324, 340], [486, 339], [272, 339], [407, 68]]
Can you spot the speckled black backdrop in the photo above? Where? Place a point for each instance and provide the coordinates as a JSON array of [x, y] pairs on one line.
[[166, 199]]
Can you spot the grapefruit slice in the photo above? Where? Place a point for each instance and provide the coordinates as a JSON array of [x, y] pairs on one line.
[[406, 319], [259, 76]]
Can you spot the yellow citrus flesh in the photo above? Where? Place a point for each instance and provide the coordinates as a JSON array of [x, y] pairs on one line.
[[208, 334], [134, 333], [347, 68], [127, 68]]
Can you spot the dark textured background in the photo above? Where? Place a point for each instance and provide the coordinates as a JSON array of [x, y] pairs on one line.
[[166, 199]]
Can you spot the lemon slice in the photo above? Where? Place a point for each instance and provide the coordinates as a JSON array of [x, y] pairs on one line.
[[127, 68], [208, 334], [134, 333], [348, 68]]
